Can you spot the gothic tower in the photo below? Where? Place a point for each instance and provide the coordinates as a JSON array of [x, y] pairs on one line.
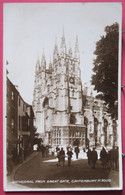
[[57, 98]]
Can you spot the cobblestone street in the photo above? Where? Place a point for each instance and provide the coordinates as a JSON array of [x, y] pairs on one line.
[[43, 173]]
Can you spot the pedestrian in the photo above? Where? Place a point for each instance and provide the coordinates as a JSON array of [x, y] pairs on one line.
[[94, 158], [114, 158], [62, 156], [89, 156], [104, 157], [58, 156], [47, 150], [69, 153], [77, 151], [43, 150], [109, 162]]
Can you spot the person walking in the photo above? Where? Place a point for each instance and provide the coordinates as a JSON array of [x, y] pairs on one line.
[[114, 158], [77, 151], [104, 157], [69, 153], [43, 150], [58, 156], [94, 158], [62, 156], [89, 156]]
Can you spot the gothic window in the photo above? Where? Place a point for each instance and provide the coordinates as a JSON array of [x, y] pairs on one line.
[[72, 119], [45, 102], [49, 137], [70, 107], [73, 93], [60, 133]]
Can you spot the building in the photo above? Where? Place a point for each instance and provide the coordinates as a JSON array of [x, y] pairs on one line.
[[98, 122], [65, 114], [11, 119], [20, 127]]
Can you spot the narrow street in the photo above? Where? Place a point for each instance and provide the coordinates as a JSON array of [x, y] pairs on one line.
[[44, 173]]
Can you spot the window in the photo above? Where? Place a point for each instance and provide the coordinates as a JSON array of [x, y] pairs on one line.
[[73, 93], [12, 125], [70, 107], [72, 119], [12, 95]]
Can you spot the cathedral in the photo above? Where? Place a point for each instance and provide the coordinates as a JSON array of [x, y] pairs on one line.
[[64, 112]]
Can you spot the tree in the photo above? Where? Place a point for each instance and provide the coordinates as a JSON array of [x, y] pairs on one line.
[[105, 77]]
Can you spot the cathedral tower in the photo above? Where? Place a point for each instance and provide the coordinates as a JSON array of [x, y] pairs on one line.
[[57, 99]]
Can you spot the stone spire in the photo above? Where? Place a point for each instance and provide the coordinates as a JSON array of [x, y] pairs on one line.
[[37, 65], [55, 52], [70, 50], [43, 61], [76, 52], [63, 44], [50, 64]]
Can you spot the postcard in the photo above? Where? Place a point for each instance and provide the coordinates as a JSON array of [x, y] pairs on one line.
[[62, 101]]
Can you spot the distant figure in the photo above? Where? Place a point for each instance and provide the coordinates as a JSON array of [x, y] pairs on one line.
[[58, 156], [89, 156], [47, 151], [77, 151], [104, 157], [94, 158], [114, 157], [43, 150], [69, 153], [62, 156], [84, 150]]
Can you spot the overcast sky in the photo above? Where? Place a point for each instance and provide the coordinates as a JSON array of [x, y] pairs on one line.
[[30, 28]]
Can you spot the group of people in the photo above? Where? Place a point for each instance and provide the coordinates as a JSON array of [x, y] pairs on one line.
[[108, 159], [44, 150], [61, 156]]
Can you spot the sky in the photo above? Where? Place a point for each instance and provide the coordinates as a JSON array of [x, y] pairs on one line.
[[31, 28]]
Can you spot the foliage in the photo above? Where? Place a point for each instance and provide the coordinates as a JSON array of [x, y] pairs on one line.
[[105, 77]]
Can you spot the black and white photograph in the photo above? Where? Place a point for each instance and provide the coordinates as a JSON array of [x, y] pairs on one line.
[[62, 101]]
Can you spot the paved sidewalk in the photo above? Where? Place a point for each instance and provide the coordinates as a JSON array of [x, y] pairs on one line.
[[31, 156]]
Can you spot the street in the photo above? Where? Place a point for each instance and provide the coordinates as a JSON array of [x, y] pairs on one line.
[[41, 172]]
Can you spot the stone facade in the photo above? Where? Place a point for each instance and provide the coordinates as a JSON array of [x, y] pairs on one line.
[[62, 115]]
